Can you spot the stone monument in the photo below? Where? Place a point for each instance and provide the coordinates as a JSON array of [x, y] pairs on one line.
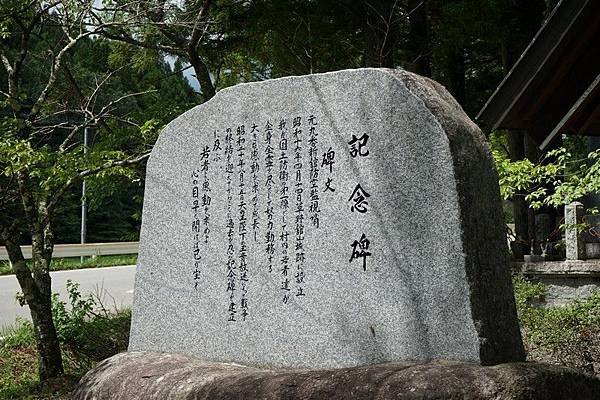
[[324, 221], [330, 236]]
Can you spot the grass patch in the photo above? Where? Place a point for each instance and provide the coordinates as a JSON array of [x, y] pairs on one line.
[[19, 375], [88, 333], [568, 335], [61, 264]]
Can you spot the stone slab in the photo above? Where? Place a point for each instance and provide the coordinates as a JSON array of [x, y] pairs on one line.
[[567, 280], [324, 221], [150, 376], [574, 268], [574, 213]]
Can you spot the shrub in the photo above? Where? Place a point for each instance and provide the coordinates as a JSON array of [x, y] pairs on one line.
[[87, 329], [568, 335], [88, 333]]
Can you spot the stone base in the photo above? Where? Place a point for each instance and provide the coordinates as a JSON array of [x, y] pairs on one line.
[[567, 280], [145, 375]]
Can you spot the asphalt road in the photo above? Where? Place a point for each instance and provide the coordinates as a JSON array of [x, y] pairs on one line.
[[114, 285]]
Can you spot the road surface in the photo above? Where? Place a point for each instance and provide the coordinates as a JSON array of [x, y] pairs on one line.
[[113, 284]]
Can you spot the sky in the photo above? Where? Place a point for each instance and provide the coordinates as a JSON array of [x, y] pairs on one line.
[[188, 73]]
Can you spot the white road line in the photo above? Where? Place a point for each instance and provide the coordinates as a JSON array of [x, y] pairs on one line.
[[87, 269], [52, 273]]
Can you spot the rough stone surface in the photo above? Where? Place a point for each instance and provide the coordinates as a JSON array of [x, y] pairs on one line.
[[432, 283], [148, 376], [567, 268], [574, 213], [567, 280]]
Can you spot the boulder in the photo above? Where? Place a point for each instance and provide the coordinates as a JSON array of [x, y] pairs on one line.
[[154, 376]]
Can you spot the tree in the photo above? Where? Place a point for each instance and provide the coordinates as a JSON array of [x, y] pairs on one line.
[[58, 76], [44, 108], [197, 32], [115, 203], [565, 174], [419, 37]]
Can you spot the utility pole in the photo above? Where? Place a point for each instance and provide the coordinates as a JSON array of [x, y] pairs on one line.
[[83, 200]]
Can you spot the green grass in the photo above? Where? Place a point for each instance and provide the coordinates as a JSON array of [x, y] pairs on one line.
[[88, 333], [568, 335], [61, 264], [18, 368]]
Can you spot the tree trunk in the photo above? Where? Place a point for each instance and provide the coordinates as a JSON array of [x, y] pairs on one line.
[[455, 72], [516, 143], [36, 283], [381, 32], [418, 37], [50, 357], [527, 18], [203, 76], [532, 154], [37, 292]]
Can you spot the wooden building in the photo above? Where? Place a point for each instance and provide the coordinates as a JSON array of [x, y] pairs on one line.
[[554, 87]]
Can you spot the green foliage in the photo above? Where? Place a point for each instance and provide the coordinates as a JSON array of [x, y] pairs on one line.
[[68, 322], [527, 293], [62, 264], [19, 335], [87, 329], [18, 154], [568, 335], [151, 129], [88, 333], [104, 85], [562, 176]]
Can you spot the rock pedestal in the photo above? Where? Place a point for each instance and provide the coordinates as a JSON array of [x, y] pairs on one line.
[[152, 376]]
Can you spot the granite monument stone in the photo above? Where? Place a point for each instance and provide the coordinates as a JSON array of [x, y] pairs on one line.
[[324, 221]]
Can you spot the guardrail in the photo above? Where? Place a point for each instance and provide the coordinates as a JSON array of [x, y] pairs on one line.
[[86, 249]]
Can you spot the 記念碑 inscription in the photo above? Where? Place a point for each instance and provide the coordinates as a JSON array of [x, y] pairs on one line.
[[324, 221]]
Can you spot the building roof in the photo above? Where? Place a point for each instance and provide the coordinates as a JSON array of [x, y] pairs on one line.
[[554, 87]]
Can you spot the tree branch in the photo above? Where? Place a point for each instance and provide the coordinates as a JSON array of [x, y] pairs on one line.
[[107, 107], [11, 74], [57, 63], [92, 171], [202, 73], [151, 46]]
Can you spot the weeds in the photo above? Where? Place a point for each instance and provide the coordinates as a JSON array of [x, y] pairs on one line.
[[61, 264], [568, 335], [88, 333]]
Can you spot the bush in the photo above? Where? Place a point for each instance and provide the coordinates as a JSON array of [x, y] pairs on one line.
[[88, 330], [88, 333], [20, 335], [568, 335]]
